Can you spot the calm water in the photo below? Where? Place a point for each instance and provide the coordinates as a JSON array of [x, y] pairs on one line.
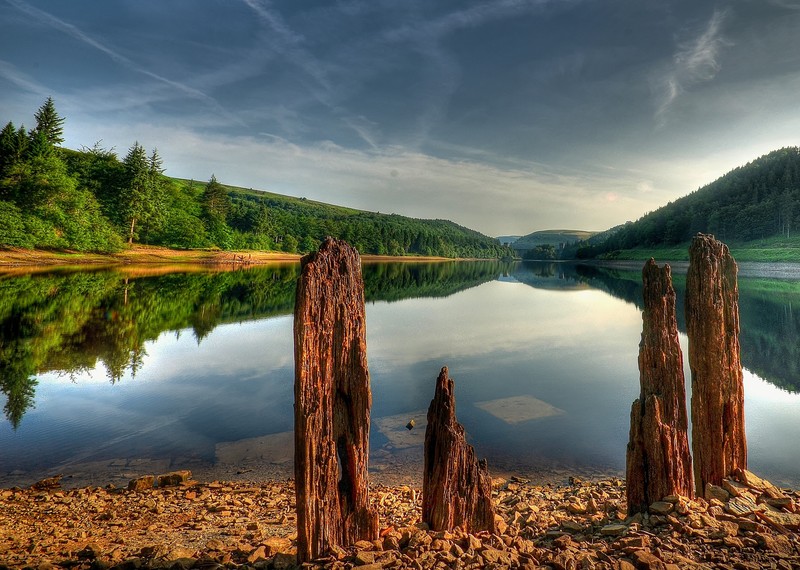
[[104, 370]]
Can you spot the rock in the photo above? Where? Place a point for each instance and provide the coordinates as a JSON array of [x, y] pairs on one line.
[[364, 557], [259, 553], [410, 425], [658, 462], [712, 325], [141, 483], [332, 403], [174, 478], [48, 484], [661, 507], [456, 487], [494, 556], [613, 530], [648, 561], [178, 553], [283, 561], [716, 492]]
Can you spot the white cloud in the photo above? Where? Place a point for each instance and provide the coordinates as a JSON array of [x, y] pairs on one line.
[[695, 61]]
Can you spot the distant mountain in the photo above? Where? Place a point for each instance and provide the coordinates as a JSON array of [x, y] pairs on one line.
[[757, 201], [557, 238], [507, 240]]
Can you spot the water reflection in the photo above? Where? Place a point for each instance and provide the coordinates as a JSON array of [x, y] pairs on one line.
[[73, 322], [769, 318], [177, 368]]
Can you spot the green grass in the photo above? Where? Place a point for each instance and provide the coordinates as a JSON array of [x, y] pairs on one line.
[[776, 249]]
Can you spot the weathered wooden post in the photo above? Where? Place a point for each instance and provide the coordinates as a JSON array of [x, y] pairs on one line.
[[658, 459], [456, 487], [712, 324], [332, 403]]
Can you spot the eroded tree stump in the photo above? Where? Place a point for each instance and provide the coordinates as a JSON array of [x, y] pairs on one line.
[[658, 459], [712, 324], [332, 403], [456, 487]]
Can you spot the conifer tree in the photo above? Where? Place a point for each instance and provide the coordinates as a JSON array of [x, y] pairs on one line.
[[49, 123], [138, 200]]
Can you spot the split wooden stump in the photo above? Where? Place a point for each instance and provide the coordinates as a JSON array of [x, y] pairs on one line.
[[658, 461], [332, 404], [712, 323], [456, 487]]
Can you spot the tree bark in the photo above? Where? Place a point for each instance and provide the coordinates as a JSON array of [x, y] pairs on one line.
[[456, 487], [658, 458], [712, 323], [332, 403]]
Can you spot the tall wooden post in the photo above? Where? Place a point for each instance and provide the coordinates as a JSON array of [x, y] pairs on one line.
[[712, 323], [658, 458], [456, 487], [332, 403]]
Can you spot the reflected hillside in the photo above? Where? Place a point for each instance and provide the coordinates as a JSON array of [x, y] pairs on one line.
[[71, 322], [769, 314]]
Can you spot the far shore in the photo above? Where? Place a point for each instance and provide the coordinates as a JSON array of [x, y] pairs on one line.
[[142, 255]]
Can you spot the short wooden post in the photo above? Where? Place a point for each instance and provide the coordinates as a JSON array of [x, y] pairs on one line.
[[456, 487]]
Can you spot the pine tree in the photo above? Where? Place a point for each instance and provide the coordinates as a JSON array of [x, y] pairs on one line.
[[49, 123], [137, 201], [216, 203]]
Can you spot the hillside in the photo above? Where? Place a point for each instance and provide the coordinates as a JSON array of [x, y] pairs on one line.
[[548, 244], [54, 198], [757, 204]]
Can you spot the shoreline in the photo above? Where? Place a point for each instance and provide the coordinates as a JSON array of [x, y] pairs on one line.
[[12, 259], [251, 524]]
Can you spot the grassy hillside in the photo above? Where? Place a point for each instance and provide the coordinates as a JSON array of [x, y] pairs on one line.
[[55, 198], [754, 208]]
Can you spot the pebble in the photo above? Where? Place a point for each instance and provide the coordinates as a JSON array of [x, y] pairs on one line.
[[247, 525]]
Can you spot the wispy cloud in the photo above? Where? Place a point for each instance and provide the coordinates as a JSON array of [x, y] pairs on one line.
[[76, 33], [15, 76], [696, 61]]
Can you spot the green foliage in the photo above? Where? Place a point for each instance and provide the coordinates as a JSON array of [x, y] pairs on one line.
[[55, 191], [753, 202], [49, 124], [543, 252]]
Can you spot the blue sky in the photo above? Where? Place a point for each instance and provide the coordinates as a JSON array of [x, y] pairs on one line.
[[507, 116]]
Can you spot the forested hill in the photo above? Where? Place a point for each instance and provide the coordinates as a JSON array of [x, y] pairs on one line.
[[91, 200], [756, 201]]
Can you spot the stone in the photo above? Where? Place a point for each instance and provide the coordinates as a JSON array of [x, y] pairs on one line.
[[141, 483], [364, 557], [716, 492], [658, 462], [648, 561], [259, 553], [283, 561], [174, 478], [332, 403], [719, 445], [613, 530], [661, 507], [456, 487]]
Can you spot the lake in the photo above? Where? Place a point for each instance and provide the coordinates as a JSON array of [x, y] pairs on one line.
[[111, 374]]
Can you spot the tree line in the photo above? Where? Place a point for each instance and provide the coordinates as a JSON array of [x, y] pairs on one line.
[[91, 200], [755, 201]]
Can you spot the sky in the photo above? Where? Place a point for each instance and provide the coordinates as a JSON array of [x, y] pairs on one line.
[[506, 116]]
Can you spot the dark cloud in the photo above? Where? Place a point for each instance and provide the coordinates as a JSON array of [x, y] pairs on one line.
[[504, 115]]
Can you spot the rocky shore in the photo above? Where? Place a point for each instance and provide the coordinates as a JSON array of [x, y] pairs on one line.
[[182, 524]]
